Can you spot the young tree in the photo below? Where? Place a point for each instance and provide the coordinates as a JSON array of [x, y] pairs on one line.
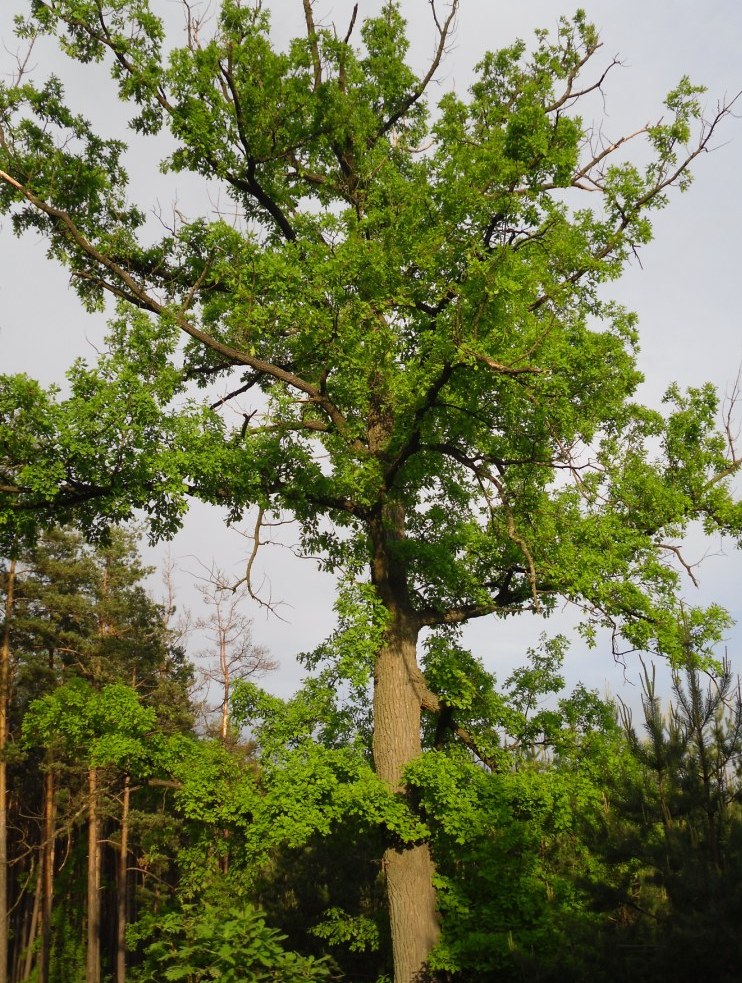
[[682, 808], [233, 656], [412, 297]]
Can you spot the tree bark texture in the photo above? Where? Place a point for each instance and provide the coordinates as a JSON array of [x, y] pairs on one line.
[[92, 965], [4, 696], [396, 742]]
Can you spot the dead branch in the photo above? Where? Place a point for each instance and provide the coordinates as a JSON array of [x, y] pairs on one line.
[[444, 31], [569, 95], [352, 24], [313, 43], [688, 567]]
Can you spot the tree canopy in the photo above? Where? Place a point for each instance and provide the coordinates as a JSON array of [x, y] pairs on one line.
[[407, 312]]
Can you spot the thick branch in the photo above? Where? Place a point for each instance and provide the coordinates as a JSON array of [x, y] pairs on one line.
[[138, 295], [352, 24], [313, 43], [430, 617], [412, 442]]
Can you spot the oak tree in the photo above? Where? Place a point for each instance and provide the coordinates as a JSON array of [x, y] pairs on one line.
[[407, 312]]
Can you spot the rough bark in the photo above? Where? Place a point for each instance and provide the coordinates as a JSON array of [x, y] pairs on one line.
[[396, 742], [92, 964], [409, 871], [122, 885], [4, 695]]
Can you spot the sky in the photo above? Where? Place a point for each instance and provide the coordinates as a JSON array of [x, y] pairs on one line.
[[685, 290]]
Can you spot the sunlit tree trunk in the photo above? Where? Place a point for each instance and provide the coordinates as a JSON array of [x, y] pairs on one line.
[[396, 742], [226, 682], [122, 885], [92, 965], [409, 871], [47, 874], [26, 961]]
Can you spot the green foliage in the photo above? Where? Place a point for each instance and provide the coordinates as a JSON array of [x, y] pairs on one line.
[[109, 727], [336, 782], [211, 943], [396, 292], [510, 858], [82, 629], [338, 928], [412, 303]]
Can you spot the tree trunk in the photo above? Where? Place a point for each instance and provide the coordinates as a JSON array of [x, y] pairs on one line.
[[396, 742], [224, 669], [47, 874], [92, 965], [409, 872], [28, 953], [122, 885], [4, 697]]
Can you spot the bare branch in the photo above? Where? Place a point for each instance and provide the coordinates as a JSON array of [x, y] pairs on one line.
[[731, 429], [444, 31], [584, 172], [230, 632], [688, 567], [234, 393], [21, 60], [569, 95], [248, 580], [348, 33], [194, 23], [313, 43]]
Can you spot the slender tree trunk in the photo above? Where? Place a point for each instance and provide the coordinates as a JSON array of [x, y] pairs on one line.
[[122, 885], [4, 698], [224, 668], [47, 874], [92, 966], [28, 953], [396, 742]]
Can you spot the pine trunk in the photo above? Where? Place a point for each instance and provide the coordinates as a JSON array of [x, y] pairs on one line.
[[26, 961], [396, 742], [4, 695], [92, 966], [122, 885], [47, 875]]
